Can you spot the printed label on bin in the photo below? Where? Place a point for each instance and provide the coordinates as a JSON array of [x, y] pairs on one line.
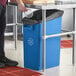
[[30, 41]]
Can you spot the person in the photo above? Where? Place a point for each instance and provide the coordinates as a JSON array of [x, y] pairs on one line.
[[4, 61]]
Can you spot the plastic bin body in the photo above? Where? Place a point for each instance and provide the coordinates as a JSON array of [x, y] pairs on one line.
[[32, 36]]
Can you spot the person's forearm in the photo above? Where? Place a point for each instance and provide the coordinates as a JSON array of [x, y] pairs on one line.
[[19, 1], [21, 6]]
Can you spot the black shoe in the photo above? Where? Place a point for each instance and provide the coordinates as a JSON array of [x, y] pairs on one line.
[[8, 62], [2, 65]]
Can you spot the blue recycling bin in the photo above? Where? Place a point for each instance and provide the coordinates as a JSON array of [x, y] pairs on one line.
[[32, 40]]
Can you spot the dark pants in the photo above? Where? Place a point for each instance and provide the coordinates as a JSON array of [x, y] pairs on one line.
[[2, 29]]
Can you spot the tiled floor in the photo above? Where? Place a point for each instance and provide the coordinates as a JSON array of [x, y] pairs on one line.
[[66, 43], [17, 71], [66, 68]]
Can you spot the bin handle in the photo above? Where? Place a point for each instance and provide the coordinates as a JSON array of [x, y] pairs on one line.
[[29, 27]]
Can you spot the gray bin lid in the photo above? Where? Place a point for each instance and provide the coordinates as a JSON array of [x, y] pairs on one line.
[[37, 16]]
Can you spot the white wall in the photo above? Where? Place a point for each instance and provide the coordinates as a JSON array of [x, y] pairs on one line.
[[67, 20]]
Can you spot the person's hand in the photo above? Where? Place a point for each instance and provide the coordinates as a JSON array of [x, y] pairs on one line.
[[22, 7]]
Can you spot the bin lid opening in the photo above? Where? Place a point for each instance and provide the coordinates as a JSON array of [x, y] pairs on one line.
[[37, 16]]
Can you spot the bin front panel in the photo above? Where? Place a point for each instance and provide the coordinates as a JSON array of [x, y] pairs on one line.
[[31, 47]]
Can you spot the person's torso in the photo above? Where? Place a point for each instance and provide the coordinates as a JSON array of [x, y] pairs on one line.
[[3, 2]]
